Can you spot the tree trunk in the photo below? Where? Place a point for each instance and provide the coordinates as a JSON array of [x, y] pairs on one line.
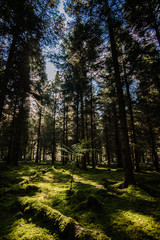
[[44, 153], [127, 164], [16, 155], [92, 130], [38, 135], [83, 159], [54, 135], [87, 136], [77, 118], [63, 136], [117, 137], [107, 145], [11, 136], [153, 142], [134, 139], [66, 135]]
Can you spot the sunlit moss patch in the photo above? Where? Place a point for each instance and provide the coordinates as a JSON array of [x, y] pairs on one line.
[[40, 199]]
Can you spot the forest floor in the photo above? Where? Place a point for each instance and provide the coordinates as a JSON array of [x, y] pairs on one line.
[[36, 203]]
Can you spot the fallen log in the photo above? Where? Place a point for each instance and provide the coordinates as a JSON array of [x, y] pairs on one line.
[[68, 228]]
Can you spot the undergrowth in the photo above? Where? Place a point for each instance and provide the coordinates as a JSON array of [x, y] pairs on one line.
[[37, 203]]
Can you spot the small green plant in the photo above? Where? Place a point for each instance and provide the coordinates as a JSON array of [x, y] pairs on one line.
[[77, 150]]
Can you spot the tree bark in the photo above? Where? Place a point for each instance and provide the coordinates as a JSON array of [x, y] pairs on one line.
[[87, 136], [107, 145], [77, 118], [92, 130], [44, 153], [83, 159], [127, 164], [54, 134], [38, 135], [63, 135], [134, 139], [117, 137], [153, 142]]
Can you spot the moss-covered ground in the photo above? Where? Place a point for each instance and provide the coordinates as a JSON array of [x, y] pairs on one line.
[[36, 202]]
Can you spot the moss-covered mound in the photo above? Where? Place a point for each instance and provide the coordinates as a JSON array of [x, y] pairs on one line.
[[67, 227], [38, 203]]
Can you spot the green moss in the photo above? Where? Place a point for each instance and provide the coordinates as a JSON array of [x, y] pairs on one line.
[[90, 203], [25, 189], [29, 231], [93, 211], [91, 235], [67, 228], [76, 196]]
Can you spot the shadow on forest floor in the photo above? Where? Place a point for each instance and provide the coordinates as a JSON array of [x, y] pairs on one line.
[[95, 201]]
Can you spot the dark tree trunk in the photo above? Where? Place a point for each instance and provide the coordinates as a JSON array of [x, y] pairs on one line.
[[66, 135], [92, 130], [107, 145], [11, 136], [87, 136], [54, 136], [127, 164], [33, 155], [134, 139], [83, 159], [153, 142], [24, 151], [38, 136], [16, 154], [117, 137], [63, 136], [40, 153], [44, 153], [77, 118], [30, 153]]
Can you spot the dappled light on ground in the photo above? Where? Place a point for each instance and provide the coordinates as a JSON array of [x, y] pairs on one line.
[[42, 202]]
